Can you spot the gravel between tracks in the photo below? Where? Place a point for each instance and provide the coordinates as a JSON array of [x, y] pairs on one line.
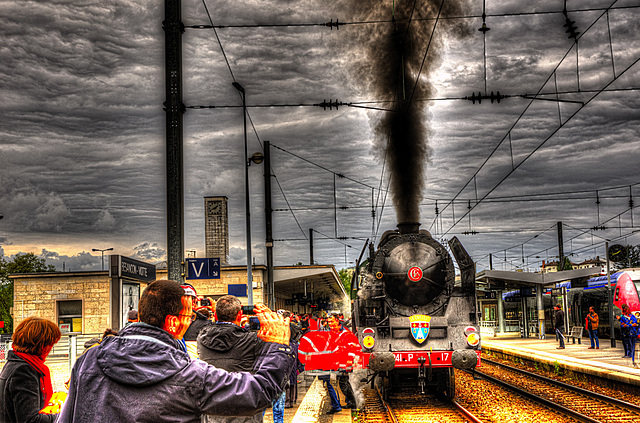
[[490, 403]]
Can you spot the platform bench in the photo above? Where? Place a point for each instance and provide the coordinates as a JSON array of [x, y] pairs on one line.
[[576, 333]]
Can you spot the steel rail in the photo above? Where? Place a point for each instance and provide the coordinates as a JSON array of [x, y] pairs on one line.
[[547, 403], [577, 389]]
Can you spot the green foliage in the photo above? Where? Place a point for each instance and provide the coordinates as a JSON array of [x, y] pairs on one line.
[[631, 258], [345, 277], [21, 263], [564, 264], [557, 370]]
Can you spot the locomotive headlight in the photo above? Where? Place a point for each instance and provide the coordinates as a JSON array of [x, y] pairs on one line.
[[368, 338], [368, 341], [473, 339]]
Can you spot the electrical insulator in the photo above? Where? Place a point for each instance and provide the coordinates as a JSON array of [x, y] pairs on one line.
[[570, 25], [332, 24]]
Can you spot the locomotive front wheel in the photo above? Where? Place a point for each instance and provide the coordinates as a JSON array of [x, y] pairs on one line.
[[447, 383]]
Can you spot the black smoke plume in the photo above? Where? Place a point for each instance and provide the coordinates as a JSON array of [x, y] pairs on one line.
[[400, 57]]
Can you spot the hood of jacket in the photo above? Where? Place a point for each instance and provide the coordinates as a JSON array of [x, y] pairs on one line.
[[222, 337], [141, 355]]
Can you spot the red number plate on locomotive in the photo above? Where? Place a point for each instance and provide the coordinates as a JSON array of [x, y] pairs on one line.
[[409, 359]]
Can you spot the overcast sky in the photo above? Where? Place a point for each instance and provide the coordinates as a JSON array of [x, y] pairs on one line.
[[82, 138]]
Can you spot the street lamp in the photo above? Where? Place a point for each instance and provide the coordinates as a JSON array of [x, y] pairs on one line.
[[102, 252], [241, 90]]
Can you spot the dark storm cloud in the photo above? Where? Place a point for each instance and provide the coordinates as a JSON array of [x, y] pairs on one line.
[[82, 134]]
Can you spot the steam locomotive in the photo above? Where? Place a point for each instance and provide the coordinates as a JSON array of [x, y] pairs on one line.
[[415, 323]]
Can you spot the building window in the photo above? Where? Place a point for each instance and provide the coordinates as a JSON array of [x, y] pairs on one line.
[[70, 316]]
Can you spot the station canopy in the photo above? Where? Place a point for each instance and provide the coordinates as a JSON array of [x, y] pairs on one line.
[[501, 279], [321, 281]]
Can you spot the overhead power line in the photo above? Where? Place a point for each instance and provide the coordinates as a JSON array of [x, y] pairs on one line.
[[337, 24]]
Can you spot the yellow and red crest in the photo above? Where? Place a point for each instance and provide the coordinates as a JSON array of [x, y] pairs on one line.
[[420, 327]]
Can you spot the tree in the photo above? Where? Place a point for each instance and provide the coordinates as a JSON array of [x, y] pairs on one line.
[[564, 264], [21, 263], [345, 277], [629, 257]]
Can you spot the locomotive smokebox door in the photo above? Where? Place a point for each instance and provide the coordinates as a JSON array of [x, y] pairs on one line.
[[406, 286]]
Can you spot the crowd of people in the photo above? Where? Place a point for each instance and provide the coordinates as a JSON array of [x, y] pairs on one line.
[[174, 360], [629, 328], [144, 373]]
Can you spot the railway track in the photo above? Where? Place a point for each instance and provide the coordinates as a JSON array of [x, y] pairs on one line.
[[410, 407], [578, 403]]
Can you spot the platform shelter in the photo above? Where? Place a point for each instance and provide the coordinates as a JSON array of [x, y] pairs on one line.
[[495, 288]]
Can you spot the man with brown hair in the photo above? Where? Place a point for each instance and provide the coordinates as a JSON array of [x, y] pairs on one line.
[[146, 375]]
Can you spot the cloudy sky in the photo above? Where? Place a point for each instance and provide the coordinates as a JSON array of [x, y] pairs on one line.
[[82, 162]]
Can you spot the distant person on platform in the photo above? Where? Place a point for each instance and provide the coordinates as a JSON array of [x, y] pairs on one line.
[[145, 374], [628, 326], [132, 317], [591, 323], [558, 324], [227, 345], [198, 322]]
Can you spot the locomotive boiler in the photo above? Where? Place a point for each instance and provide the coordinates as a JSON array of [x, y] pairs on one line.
[[414, 320]]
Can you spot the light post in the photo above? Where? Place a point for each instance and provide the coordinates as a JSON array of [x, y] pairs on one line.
[[610, 295], [102, 253], [247, 162]]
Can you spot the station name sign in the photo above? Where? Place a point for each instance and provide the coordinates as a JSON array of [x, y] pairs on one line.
[[128, 268], [203, 268]]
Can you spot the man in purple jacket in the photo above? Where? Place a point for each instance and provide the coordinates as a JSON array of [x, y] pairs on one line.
[[146, 375]]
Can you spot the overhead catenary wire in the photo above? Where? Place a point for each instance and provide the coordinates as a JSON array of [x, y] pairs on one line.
[[330, 24], [362, 104], [247, 111], [455, 222]]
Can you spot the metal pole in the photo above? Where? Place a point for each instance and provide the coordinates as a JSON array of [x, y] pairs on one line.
[[271, 300], [610, 292], [311, 246], [174, 108], [540, 304], [560, 248], [239, 87]]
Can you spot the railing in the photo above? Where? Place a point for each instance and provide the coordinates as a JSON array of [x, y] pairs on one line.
[[491, 327], [67, 349]]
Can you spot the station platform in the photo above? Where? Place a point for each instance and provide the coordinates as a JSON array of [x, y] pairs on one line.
[[606, 362], [313, 404]]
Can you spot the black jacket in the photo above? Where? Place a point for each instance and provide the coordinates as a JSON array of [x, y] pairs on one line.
[[195, 327], [21, 397], [229, 347], [559, 320]]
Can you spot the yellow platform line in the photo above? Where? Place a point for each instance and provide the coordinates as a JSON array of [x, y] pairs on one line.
[[309, 409]]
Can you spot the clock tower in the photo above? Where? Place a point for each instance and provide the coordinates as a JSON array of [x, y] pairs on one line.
[[216, 228]]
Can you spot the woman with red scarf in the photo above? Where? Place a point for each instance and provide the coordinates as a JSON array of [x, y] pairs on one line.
[[25, 381]]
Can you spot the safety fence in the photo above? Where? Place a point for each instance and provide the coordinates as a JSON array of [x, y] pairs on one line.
[[67, 349]]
